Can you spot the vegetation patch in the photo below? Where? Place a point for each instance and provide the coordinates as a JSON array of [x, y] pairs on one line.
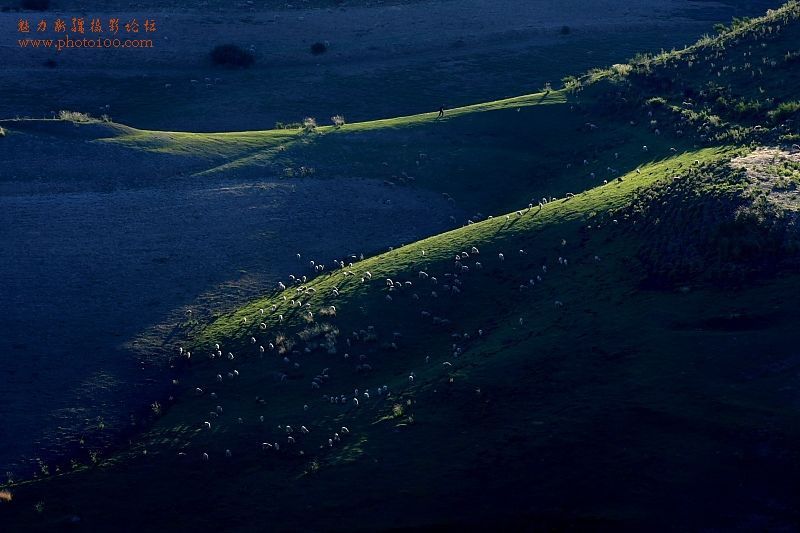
[[232, 56]]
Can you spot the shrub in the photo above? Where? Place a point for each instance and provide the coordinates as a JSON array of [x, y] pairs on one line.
[[318, 48], [2, 132], [288, 125], [74, 116], [51, 63], [230, 55], [784, 110], [309, 123], [35, 5], [656, 101]]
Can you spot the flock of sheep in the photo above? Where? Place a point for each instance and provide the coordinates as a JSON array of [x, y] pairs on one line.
[[297, 294]]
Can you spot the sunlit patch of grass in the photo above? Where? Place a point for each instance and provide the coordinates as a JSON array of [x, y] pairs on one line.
[[350, 452]]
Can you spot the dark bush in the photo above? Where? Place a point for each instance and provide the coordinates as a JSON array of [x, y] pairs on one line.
[[230, 55], [51, 63], [318, 48], [35, 5], [565, 30]]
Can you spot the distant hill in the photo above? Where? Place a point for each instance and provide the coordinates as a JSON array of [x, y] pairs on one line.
[[616, 355]]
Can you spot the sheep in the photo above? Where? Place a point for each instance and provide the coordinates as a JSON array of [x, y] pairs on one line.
[[205, 456], [207, 425], [501, 257], [227, 453], [281, 286], [304, 430], [558, 303]]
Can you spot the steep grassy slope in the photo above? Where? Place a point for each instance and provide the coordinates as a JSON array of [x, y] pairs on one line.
[[620, 357], [603, 409]]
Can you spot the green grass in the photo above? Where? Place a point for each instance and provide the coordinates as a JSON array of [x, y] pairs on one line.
[[625, 401], [547, 401]]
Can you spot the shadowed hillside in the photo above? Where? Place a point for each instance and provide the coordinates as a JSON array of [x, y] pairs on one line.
[[603, 342]]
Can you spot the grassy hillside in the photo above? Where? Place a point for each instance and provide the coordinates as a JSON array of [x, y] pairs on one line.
[[618, 355]]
